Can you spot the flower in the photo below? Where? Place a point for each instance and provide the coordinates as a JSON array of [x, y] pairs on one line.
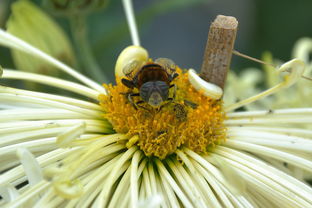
[[69, 153], [298, 93], [245, 85]]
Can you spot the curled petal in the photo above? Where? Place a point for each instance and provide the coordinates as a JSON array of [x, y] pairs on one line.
[[132, 141], [296, 68], [129, 55], [302, 49], [209, 89], [31, 166], [54, 170], [68, 189]]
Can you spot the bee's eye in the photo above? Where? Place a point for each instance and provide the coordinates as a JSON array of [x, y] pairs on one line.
[[163, 89], [146, 90], [159, 87]]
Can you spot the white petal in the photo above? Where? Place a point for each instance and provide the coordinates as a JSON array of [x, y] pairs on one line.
[[131, 21], [153, 201], [209, 89], [72, 133], [8, 193], [30, 165], [9, 40], [128, 55], [296, 68]]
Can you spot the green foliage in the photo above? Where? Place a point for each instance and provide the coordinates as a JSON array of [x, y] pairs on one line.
[[74, 7], [31, 24], [104, 32]]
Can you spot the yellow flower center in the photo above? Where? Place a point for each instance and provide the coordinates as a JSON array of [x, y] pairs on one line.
[[191, 120]]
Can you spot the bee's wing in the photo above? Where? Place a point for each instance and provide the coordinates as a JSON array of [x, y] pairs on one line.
[[130, 68], [167, 64]]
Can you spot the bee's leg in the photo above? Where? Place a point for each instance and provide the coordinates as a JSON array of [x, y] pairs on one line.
[[191, 104], [128, 83], [173, 76], [134, 94], [174, 91], [129, 96], [170, 100], [139, 102], [140, 106]]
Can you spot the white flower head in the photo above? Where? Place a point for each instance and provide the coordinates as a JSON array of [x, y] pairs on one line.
[[100, 152]]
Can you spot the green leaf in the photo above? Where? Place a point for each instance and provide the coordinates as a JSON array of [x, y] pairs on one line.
[[74, 7], [31, 24]]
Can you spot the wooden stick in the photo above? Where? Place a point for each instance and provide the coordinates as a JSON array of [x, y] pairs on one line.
[[218, 52]]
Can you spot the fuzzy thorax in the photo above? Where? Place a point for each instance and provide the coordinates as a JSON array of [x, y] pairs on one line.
[[162, 132]]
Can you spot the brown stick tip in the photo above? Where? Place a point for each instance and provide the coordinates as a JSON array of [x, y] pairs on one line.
[[218, 52], [225, 22]]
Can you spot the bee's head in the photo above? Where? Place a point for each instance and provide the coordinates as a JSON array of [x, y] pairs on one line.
[[154, 92]]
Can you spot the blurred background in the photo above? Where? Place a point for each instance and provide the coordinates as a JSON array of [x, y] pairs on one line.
[[176, 29]]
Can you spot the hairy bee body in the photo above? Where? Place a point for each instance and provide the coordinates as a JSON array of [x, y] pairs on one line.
[[153, 80], [151, 72]]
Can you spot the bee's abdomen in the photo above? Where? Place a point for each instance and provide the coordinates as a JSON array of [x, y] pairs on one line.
[[152, 72]]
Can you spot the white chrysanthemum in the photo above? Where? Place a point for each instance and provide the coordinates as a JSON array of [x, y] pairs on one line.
[[240, 87], [58, 151]]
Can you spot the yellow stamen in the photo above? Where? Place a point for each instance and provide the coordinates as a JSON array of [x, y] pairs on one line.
[[162, 132]]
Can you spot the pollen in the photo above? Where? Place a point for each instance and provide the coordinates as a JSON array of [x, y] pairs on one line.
[[191, 120]]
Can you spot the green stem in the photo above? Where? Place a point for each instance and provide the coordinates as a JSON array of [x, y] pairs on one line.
[[83, 49]]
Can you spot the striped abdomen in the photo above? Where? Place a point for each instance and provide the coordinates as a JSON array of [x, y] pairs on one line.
[[151, 72]]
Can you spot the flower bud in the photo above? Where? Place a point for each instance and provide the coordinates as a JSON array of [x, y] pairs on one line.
[[32, 25]]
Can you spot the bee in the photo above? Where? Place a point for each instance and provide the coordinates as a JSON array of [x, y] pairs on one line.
[[152, 79]]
